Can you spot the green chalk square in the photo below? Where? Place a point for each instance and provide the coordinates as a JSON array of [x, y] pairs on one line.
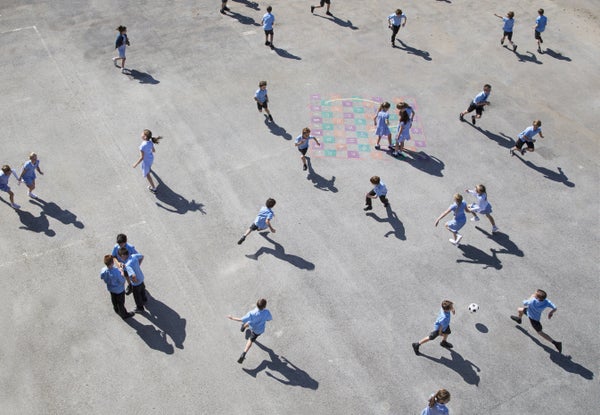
[[330, 153], [329, 139], [326, 114], [362, 134], [360, 121], [359, 110], [364, 148], [327, 127]]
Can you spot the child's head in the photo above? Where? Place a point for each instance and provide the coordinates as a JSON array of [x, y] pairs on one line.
[[458, 198], [442, 396], [510, 15], [262, 84], [487, 88], [147, 135], [540, 294], [270, 203], [480, 188], [401, 106], [261, 304], [447, 305], [121, 239], [121, 29], [541, 12], [6, 169], [33, 157], [375, 180], [123, 253], [537, 124], [398, 12], [108, 260], [404, 116], [269, 9], [305, 131], [384, 106]]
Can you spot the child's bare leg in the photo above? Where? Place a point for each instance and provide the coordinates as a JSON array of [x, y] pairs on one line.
[[248, 346], [423, 340], [491, 219], [389, 140], [11, 196], [149, 178], [545, 336], [378, 140]]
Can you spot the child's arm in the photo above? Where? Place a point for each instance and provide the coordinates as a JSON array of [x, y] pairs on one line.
[[316, 141], [541, 135], [42, 173], [441, 216], [497, 15], [139, 160], [16, 176], [375, 120], [405, 19], [470, 191], [272, 229], [551, 313], [234, 318]]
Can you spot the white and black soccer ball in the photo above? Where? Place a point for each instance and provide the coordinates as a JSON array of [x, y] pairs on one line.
[[473, 307]]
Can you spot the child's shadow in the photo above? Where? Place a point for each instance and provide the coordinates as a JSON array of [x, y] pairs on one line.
[[285, 54], [142, 77], [559, 177], [319, 181], [291, 375], [503, 239], [463, 367], [394, 221], [426, 163], [477, 256], [502, 139], [247, 20], [251, 4], [155, 339], [279, 252], [173, 202], [166, 319], [338, 21], [527, 57], [276, 129], [413, 51], [557, 55], [35, 224], [54, 211]]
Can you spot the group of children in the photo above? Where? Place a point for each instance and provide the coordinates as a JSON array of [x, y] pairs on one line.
[[381, 120], [27, 176], [508, 24]]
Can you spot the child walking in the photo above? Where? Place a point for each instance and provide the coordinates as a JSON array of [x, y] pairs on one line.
[[540, 26], [441, 327], [262, 221], [224, 7], [382, 121], [255, 320], [267, 22], [527, 137], [262, 99], [120, 44], [147, 156], [437, 403], [6, 173], [403, 133], [533, 308], [302, 142], [509, 22], [28, 174], [379, 191], [478, 104], [482, 206], [459, 207], [395, 21]]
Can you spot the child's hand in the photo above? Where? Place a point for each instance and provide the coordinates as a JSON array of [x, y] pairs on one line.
[[436, 222]]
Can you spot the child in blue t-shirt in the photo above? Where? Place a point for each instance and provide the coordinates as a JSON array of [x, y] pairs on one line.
[[262, 221], [533, 308], [482, 206], [381, 120], [379, 191], [302, 142], [437, 403], [395, 21], [4, 176], [527, 137], [28, 174], [441, 327], [540, 26], [255, 320], [262, 99], [267, 22], [507, 28], [459, 207]]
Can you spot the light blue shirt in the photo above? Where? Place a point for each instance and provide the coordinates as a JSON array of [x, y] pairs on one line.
[[437, 409], [257, 319], [508, 24], [268, 20], [115, 282], [133, 268], [535, 307], [480, 98], [130, 248], [29, 170], [261, 95], [459, 211], [541, 22], [305, 144], [443, 320], [264, 214], [396, 20], [528, 133], [146, 148], [382, 117], [380, 189], [4, 178], [405, 132]]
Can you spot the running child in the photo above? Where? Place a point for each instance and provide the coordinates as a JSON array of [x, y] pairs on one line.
[[482, 206], [527, 137], [28, 174], [441, 327], [267, 22], [262, 221], [120, 44], [262, 99], [395, 21], [382, 121], [459, 207], [255, 320], [478, 104], [147, 156], [379, 191], [322, 3], [302, 142], [540, 26], [224, 7], [437, 403], [533, 308], [403, 133], [509, 22], [6, 172]]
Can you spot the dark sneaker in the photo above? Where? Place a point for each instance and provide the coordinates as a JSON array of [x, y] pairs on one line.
[[416, 348], [446, 344], [502, 41], [368, 208], [523, 152], [242, 357], [473, 119], [241, 241], [386, 205], [128, 315], [517, 319], [242, 329], [460, 117], [312, 9], [558, 346], [267, 43], [270, 116], [226, 8], [514, 48], [222, 11], [512, 152], [377, 147], [139, 310], [305, 167], [329, 14]]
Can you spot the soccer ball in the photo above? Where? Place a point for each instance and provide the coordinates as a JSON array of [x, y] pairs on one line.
[[473, 307]]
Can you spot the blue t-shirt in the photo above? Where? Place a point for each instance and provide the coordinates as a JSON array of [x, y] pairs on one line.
[[382, 117], [4, 178], [264, 214], [405, 131], [437, 409], [459, 210], [133, 268], [395, 19], [130, 248], [113, 279], [508, 24], [535, 307], [146, 148], [443, 320], [305, 144], [257, 319], [268, 20], [480, 98], [380, 189], [541, 22], [29, 170], [528, 133], [261, 95]]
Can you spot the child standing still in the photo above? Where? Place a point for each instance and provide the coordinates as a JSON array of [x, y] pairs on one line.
[[262, 221], [28, 174], [437, 403], [509, 22], [527, 137], [147, 156], [540, 26], [441, 327], [482, 206], [6, 172], [302, 142], [120, 44], [459, 207], [379, 191], [382, 120], [267, 22], [395, 21], [262, 99], [403, 133]]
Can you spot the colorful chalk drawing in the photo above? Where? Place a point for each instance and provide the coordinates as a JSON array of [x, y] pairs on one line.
[[344, 126]]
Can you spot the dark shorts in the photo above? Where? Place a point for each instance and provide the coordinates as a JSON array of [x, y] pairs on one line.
[[324, 2], [521, 142], [436, 333], [303, 150], [538, 35], [4, 188], [508, 35], [253, 336], [253, 227], [260, 106], [478, 108], [269, 32]]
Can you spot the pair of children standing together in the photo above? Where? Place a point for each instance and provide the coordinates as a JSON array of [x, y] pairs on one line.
[[27, 176], [381, 121]]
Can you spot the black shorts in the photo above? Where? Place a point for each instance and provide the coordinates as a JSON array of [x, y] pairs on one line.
[[436, 333], [537, 326], [478, 108], [520, 143], [253, 336], [269, 32], [253, 227], [260, 106], [324, 2], [508, 35], [303, 150], [538, 35]]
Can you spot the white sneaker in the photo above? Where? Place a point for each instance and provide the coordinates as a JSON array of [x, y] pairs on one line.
[[452, 241], [458, 238], [15, 206], [32, 195], [152, 189], [475, 219], [495, 229]]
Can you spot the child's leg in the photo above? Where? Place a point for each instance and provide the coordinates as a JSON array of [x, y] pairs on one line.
[[11, 196], [520, 311], [423, 340], [452, 232], [149, 178], [303, 158], [491, 219], [378, 140], [389, 137], [368, 200], [248, 345], [384, 200], [546, 336]]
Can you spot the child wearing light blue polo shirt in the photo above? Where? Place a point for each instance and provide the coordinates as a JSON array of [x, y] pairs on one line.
[[441, 327], [135, 277], [540, 26], [28, 174], [115, 281], [302, 142], [4, 176], [527, 137], [478, 104], [533, 308], [379, 191], [262, 99], [395, 21], [507, 28], [482, 206], [459, 207], [255, 320], [267, 22], [262, 221]]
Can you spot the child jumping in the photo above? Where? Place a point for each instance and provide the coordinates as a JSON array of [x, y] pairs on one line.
[[302, 142], [509, 22], [262, 99], [120, 44], [482, 206], [527, 137], [6, 173], [441, 327], [478, 104], [382, 120], [379, 191], [459, 207], [262, 221], [533, 308], [255, 320], [28, 174], [147, 156]]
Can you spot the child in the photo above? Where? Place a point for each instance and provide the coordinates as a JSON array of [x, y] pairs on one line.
[[224, 7], [378, 191], [113, 277], [267, 22], [403, 133], [395, 22], [135, 277], [526, 137], [147, 156], [121, 43], [482, 206], [477, 104], [459, 207], [441, 327], [262, 221], [509, 22], [28, 174], [382, 121], [323, 2], [403, 106], [122, 243], [262, 99], [540, 26], [533, 309], [302, 144], [437, 403], [255, 320], [6, 172]]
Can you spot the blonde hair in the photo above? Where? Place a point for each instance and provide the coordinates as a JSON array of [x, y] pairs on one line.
[[458, 198], [305, 130]]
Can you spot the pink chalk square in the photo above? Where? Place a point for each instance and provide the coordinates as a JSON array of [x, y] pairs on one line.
[[347, 103], [377, 99], [348, 115], [338, 121], [341, 147], [416, 131], [350, 127], [315, 108], [315, 97], [316, 120], [317, 132], [419, 143], [339, 133], [377, 155], [351, 140], [353, 155]]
